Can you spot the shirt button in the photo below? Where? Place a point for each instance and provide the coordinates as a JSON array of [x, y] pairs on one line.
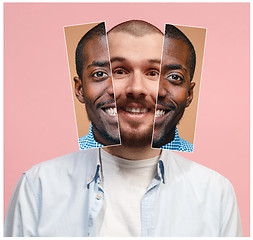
[[98, 196]]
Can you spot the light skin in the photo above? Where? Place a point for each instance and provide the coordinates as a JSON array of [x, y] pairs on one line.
[[135, 63], [96, 91], [175, 90]]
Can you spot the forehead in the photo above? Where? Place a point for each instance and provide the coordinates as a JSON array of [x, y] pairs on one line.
[[126, 45], [175, 50], [95, 49]]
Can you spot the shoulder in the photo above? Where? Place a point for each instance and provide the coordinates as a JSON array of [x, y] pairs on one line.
[[67, 166], [194, 173], [201, 183], [202, 193]]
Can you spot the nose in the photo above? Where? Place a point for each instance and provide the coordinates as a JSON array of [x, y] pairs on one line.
[[161, 90], [110, 90], [136, 86]]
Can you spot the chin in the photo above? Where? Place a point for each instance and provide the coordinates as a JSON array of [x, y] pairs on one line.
[[160, 138], [157, 144], [136, 139], [108, 137]]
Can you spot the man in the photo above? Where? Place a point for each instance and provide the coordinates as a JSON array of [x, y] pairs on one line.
[[93, 87], [168, 197], [131, 189], [175, 89], [104, 120]]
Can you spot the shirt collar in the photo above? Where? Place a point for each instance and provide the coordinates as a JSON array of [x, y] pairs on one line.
[[88, 141], [94, 168], [162, 167]]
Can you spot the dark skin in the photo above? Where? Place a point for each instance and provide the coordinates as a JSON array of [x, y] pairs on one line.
[[175, 90], [96, 91]]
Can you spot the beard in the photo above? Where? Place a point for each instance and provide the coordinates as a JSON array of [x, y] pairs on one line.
[[113, 139], [164, 138], [105, 133], [134, 138], [135, 133]]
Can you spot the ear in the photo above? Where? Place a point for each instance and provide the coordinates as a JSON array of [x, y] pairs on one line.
[[79, 89], [190, 94]]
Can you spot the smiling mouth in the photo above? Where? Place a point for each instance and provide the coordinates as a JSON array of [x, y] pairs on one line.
[[134, 110], [160, 113], [112, 111]]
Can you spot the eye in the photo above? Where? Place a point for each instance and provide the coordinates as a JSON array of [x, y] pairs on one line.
[[153, 73], [119, 71], [100, 75], [174, 77]]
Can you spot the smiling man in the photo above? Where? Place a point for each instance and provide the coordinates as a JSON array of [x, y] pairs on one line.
[[93, 87], [175, 89], [135, 61], [149, 192], [130, 190]]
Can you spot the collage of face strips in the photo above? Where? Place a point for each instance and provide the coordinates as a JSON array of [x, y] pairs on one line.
[[135, 84], [135, 90]]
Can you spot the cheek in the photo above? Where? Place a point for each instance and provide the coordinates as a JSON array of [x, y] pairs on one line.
[[180, 96], [94, 91], [152, 87], [177, 93], [119, 87]]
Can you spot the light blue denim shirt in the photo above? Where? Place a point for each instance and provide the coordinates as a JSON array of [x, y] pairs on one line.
[[63, 197]]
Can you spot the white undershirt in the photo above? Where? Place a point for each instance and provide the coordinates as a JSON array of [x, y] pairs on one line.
[[124, 183]]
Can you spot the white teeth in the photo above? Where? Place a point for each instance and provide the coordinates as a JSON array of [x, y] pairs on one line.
[[136, 110], [111, 111], [159, 113]]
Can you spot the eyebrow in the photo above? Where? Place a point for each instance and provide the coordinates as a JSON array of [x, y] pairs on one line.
[[173, 67], [155, 61], [118, 59], [99, 64], [121, 59]]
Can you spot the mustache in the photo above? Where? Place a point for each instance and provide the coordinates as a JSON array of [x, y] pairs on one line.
[[170, 104], [144, 103], [105, 102]]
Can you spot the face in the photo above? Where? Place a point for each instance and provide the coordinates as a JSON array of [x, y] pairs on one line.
[[96, 91], [175, 90], [135, 63]]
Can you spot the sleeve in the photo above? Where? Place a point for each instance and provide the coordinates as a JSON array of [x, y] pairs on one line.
[[231, 226], [22, 214]]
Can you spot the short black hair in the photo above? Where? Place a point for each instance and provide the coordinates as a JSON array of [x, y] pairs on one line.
[[97, 31], [174, 33], [137, 28]]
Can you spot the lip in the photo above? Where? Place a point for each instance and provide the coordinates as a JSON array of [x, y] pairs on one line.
[[135, 111], [109, 112], [159, 110]]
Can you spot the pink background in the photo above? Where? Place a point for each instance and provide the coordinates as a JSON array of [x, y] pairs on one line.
[[38, 110]]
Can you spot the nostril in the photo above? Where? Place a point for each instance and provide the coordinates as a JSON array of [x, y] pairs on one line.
[[162, 92]]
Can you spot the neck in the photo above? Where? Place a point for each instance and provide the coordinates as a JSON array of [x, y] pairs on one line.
[[133, 153]]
